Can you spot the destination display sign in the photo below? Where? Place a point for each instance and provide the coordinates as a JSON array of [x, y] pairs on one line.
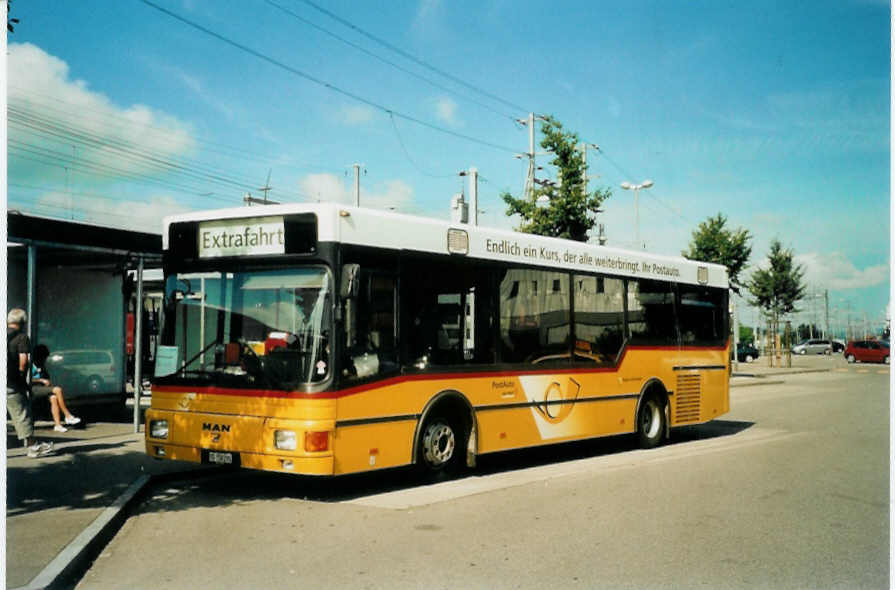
[[242, 237]]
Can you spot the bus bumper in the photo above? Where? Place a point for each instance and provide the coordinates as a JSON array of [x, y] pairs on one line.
[[270, 444]]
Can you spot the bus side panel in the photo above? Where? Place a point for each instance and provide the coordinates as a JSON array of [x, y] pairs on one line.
[[501, 430], [373, 446]]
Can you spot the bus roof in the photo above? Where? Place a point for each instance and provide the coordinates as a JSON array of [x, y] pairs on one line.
[[398, 231]]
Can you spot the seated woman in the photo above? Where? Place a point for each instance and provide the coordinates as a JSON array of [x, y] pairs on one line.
[[41, 386]]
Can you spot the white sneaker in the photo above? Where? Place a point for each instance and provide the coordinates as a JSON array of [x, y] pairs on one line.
[[71, 420], [40, 449], [60, 428]]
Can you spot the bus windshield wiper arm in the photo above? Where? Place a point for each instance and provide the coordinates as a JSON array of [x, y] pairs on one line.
[[197, 355]]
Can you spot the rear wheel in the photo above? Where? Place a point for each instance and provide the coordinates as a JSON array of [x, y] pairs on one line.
[[442, 446], [886, 360], [650, 422], [749, 358]]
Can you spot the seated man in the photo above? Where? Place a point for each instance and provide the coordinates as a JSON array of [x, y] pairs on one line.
[[42, 387]]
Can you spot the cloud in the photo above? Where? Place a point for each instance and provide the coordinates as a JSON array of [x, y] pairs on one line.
[[835, 271], [427, 15], [99, 140], [195, 86], [446, 110], [392, 194], [356, 114], [139, 215]]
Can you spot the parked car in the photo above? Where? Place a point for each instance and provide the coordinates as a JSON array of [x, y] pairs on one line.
[[746, 353], [813, 346], [93, 371], [867, 351], [838, 346]]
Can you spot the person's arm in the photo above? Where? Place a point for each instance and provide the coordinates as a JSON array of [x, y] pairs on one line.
[[23, 362]]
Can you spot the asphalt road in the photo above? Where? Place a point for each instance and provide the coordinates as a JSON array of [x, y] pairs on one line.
[[789, 490]]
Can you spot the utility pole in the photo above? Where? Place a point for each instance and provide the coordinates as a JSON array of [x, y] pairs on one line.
[[473, 174], [474, 194], [827, 313], [266, 188], [530, 176], [736, 333], [584, 145], [356, 184]]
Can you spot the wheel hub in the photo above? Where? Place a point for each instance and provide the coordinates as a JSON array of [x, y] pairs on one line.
[[438, 444]]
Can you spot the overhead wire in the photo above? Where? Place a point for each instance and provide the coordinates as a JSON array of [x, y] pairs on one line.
[[211, 146], [318, 81], [66, 133], [60, 160], [650, 193], [410, 158], [386, 61], [121, 149], [413, 58]]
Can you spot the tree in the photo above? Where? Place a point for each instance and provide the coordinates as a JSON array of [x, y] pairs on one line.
[[568, 212], [778, 288], [10, 21], [713, 242]]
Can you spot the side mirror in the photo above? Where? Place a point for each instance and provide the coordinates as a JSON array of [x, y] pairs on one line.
[[350, 283]]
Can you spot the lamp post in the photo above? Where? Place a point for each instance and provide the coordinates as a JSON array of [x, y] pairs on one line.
[[636, 187]]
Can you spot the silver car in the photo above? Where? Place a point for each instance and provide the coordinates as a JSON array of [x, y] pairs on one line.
[[813, 346]]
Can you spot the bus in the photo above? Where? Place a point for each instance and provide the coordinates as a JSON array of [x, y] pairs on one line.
[[323, 339]]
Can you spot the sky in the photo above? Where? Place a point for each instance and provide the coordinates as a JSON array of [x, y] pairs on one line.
[[775, 114]]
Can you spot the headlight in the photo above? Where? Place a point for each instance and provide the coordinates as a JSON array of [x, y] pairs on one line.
[[158, 429], [285, 440]]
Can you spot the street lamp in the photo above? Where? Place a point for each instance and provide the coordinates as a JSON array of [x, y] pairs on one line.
[[636, 187]]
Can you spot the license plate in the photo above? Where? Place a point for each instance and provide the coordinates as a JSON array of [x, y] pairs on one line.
[[220, 458]]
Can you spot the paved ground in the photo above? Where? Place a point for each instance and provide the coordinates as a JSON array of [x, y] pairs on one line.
[[53, 500]]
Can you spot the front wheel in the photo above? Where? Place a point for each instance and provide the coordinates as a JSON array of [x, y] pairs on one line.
[[650, 422], [886, 360], [850, 358], [749, 358], [803, 351]]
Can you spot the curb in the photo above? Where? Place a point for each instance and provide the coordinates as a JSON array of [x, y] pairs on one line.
[[72, 562], [89, 541], [772, 378], [757, 383]]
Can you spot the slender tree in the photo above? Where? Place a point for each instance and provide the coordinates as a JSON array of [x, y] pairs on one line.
[[777, 289], [10, 21], [568, 210], [714, 242]]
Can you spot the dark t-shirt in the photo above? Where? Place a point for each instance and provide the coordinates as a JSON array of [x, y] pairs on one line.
[[16, 343]]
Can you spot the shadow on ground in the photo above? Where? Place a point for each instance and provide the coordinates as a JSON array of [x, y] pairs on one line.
[[243, 486]]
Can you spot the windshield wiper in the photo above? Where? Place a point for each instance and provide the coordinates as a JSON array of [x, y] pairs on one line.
[[197, 355]]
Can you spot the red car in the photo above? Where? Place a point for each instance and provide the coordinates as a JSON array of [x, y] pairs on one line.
[[867, 351]]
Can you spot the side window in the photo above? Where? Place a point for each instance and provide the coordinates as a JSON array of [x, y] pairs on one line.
[[651, 312], [449, 314], [535, 322], [372, 347], [599, 319], [702, 315]]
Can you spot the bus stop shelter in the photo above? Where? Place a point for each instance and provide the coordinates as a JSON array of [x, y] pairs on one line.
[[74, 280]]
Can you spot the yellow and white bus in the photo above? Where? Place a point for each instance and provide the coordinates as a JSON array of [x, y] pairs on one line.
[[326, 339]]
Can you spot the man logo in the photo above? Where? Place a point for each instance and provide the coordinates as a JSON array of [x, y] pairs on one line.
[[209, 427]]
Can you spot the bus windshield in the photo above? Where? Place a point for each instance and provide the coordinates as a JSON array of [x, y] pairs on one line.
[[259, 329]]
